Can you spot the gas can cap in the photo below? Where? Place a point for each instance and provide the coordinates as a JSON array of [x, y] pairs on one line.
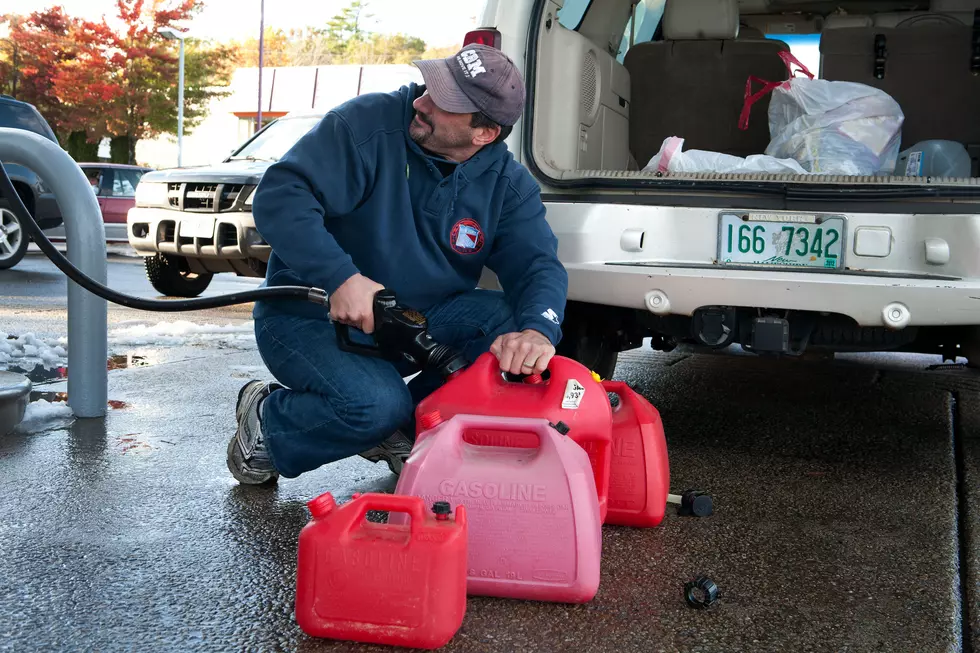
[[430, 420], [442, 509], [322, 506]]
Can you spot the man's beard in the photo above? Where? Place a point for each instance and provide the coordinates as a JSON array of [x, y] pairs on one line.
[[419, 136]]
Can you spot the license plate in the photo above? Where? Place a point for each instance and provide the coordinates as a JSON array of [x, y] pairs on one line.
[[781, 240], [197, 228]]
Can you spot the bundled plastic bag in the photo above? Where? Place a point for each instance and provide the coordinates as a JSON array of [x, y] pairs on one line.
[[670, 158], [836, 128]]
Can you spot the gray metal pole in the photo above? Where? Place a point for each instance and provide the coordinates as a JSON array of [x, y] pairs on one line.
[[258, 122], [85, 235], [180, 109]]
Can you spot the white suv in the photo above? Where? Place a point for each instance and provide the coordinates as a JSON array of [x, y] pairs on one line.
[[871, 262]]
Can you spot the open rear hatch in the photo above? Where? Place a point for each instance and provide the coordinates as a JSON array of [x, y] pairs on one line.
[[889, 117]]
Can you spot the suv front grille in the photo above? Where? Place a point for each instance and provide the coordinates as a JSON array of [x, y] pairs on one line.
[[198, 197], [229, 195], [173, 195]]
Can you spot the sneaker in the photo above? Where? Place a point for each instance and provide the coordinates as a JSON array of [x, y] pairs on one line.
[[394, 451], [248, 459]]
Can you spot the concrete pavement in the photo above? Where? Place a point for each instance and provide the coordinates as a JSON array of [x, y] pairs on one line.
[[845, 516]]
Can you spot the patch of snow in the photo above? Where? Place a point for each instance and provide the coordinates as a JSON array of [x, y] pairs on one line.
[[170, 334], [41, 412], [28, 351]]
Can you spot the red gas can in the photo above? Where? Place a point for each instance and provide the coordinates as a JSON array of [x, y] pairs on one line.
[[639, 475], [382, 583], [570, 394]]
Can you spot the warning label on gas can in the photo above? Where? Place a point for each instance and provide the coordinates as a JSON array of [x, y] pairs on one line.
[[574, 391]]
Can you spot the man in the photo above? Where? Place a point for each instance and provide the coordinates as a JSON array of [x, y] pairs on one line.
[[414, 191]]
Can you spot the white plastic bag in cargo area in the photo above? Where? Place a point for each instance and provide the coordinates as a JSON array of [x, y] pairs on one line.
[[670, 158], [831, 128]]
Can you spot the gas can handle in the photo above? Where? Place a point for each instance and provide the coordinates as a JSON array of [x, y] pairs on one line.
[[541, 427], [392, 503]]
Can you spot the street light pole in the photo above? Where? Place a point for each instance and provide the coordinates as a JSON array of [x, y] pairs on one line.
[[180, 109], [258, 124], [174, 35]]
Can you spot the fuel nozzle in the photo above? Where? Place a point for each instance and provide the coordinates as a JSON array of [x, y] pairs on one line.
[[402, 333], [405, 331]]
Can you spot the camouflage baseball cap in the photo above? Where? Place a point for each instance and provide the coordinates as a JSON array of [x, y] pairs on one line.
[[477, 78]]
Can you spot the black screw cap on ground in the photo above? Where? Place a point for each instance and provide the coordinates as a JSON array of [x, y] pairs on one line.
[[442, 510], [561, 427], [701, 592], [695, 503]]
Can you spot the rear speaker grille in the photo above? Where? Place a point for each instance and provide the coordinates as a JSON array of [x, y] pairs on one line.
[[590, 73]]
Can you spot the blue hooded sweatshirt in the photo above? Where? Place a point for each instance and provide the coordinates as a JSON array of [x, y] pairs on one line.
[[357, 194]]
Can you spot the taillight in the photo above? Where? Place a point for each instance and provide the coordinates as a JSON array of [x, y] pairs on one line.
[[484, 36]]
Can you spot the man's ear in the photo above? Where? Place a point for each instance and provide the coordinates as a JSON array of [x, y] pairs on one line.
[[486, 135]]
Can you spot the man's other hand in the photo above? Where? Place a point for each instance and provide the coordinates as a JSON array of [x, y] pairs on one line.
[[353, 303], [527, 352]]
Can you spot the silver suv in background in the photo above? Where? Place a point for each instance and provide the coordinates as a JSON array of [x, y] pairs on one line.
[[190, 223]]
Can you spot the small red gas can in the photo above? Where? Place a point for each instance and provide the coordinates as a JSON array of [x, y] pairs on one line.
[[639, 476], [400, 585], [570, 394]]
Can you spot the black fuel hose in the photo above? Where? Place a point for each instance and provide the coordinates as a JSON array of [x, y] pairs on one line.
[[8, 192]]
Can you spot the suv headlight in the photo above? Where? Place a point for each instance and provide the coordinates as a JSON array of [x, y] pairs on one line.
[[150, 193]]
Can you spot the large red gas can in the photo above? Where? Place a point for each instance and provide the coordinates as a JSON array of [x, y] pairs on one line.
[[639, 476], [400, 585], [570, 394]]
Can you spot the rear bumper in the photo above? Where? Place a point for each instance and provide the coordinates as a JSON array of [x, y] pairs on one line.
[[926, 272], [221, 241], [869, 301]]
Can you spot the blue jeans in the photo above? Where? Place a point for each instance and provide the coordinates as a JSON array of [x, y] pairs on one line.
[[337, 404]]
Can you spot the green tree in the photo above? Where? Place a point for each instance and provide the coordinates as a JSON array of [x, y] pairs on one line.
[[345, 40], [345, 29]]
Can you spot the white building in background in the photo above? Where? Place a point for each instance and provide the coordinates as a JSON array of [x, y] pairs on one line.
[[231, 120]]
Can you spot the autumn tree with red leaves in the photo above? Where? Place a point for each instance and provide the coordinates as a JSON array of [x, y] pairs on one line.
[[91, 81], [147, 73], [40, 43]]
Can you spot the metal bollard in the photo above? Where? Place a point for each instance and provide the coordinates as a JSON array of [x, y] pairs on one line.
[[88, 385]]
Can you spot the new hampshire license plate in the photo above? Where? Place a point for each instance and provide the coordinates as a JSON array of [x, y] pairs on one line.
[[791, 240]]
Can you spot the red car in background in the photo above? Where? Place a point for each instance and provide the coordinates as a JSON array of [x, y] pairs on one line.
[[115, 186]]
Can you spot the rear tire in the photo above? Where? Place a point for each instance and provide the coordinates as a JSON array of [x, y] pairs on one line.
[[13, 239], [588, 347], [170, 277]]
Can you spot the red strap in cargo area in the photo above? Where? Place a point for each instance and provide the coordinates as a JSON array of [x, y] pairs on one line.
[[752, 98]]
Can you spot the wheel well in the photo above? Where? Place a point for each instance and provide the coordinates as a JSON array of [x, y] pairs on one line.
[[26, 196]]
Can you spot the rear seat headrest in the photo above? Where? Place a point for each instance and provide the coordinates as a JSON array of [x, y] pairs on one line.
[[838, 21], [686, 20]]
